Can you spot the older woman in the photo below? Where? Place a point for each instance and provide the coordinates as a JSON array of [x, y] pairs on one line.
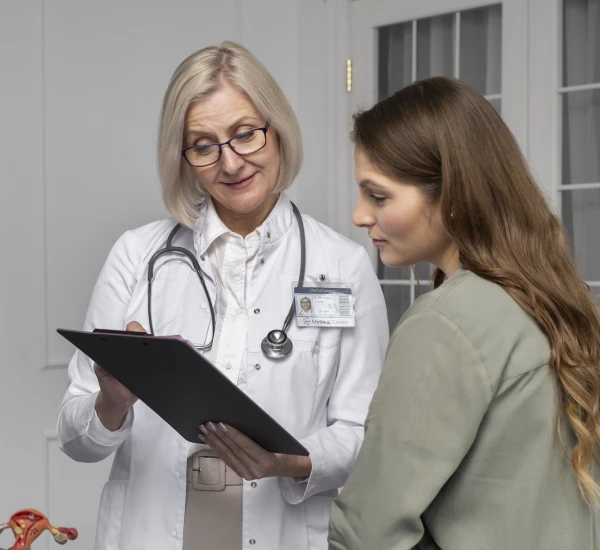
[[229, 144]]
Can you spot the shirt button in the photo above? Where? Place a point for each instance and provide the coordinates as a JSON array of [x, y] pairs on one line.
[[227, 366], [257, 367], [257, 311], [253, 484], [252, 541], [202, 258], [268, 235], [176, 475], [173, 533]]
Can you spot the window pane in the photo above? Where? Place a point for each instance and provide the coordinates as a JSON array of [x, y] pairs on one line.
[[581, 137], [395, 58], [480, 48], [435, 46], [497, 104], [581, 216], [424, 271], [581, 42], [397, 273], [397, 298]]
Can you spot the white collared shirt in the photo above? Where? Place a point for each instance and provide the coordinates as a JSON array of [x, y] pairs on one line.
[[232, 258], [320, 393]]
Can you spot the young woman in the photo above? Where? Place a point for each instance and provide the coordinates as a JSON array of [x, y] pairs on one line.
[[484, 432]]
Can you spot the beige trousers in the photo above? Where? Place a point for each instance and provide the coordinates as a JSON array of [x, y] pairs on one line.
[[213, 505]]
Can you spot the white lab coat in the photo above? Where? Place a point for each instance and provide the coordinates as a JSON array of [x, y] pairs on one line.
[[320, 393]]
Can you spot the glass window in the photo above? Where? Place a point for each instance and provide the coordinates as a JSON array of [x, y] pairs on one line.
[[480, 49], [435, 46], [581, 43], [580, 155], [464, 44]]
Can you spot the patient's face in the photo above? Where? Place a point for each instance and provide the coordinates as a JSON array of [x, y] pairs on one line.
[[401, 222]]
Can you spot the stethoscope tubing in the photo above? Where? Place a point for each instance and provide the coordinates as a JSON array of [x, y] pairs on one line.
[[169, 248]]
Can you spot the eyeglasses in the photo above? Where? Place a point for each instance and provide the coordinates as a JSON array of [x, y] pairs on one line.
[[246, 143]]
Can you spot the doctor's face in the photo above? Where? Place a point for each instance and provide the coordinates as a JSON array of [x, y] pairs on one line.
[[239, 184], [402, 224]]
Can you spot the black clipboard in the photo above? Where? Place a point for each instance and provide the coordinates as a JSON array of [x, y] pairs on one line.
[[180, 385]]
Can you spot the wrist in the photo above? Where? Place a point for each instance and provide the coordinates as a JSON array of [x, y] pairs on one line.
[[111, 415], [298, 467]]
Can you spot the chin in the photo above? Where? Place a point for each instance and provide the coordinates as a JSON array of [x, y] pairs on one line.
[[393, 260], [244, 203]]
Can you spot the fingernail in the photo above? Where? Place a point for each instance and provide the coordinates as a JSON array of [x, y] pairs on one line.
[[222, 426], [203, 429], [212, 426], [201, 438]]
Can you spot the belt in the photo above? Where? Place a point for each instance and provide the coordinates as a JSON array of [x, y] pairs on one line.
[[207, 472]]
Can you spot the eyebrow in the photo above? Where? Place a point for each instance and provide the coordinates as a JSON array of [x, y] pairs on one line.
[[239, 122], [371, 185]]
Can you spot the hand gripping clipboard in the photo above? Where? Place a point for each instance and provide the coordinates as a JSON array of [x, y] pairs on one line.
[[180, 385]]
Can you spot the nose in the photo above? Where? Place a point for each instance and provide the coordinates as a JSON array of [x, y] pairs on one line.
[[231, 162], [363, 216]]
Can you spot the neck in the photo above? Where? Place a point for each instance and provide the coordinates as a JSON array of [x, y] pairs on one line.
[[244, 223], [449, 262]]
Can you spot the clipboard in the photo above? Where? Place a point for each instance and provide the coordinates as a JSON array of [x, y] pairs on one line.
[[180, 385]]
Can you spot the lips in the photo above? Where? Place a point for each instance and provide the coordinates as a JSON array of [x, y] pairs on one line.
[[240, 184]]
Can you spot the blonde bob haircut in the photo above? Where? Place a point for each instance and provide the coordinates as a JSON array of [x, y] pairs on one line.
[[198, 76]]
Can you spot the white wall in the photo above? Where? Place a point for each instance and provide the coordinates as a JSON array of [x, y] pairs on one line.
[[81, 84]]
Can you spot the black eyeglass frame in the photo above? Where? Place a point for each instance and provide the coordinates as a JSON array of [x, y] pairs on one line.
[[263, 129]]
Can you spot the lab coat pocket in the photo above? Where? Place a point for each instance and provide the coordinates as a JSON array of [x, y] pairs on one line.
[[110, 514], [318, 510]]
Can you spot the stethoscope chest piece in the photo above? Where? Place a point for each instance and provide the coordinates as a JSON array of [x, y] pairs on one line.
[[276, 345]]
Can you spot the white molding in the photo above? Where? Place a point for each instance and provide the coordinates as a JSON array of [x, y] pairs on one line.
[[457, 45], [413, 53], [543, 120], [579, 88], [58, 365], [48, 437], [385, 12], [578, 186], [339, 148]]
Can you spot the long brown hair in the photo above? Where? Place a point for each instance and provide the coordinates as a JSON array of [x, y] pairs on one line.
[[443, 136]]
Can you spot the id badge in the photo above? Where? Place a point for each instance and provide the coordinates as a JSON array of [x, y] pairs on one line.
[[324, 306]]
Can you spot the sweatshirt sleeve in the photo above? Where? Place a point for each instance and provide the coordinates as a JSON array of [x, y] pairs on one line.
[[425, 414]]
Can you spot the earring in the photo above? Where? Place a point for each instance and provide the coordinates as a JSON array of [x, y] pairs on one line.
[[452, 215]]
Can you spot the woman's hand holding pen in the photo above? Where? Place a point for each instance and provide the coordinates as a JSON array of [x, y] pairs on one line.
[[248, 459], [114, 400]]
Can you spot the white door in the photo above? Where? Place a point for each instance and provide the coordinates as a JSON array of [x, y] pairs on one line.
[[394, 43]]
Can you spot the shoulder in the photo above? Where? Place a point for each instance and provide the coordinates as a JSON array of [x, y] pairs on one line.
[[341, 253], [331, 239], [468, 299], [504, 335], [142, 241]]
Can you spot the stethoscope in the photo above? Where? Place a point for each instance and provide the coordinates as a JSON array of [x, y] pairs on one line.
[[276, 344]]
